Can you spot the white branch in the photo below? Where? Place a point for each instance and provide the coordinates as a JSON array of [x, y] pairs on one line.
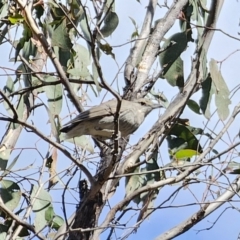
[[206, 209]]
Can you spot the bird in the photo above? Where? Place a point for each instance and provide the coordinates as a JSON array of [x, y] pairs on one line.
[[98, 121]]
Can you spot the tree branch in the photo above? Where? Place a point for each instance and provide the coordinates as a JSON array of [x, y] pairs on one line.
[[18, 220], [27, 8], [205, 210], [170, 180], [153, 44], [55, 144], [140, 43]]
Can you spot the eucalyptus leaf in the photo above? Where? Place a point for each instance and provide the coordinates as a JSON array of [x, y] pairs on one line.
[[19, 110], [193, 106], [232, 168], [9, 87], [133, 183], [3, 231], [2, 162], [84, 26], [110, 24], [54, 95], [49, 214], [207, 92], [60, 36], [83, 141], [172, 49], [4, 157], [183, 132], [57, 222], [174, 75], [149, 197], [4, 9], [41, 201], [222, 93], [82, 56], [95, 77], [10, 193], [185, 153]]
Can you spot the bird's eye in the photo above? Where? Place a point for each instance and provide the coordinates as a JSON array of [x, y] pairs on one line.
[[143, 103]]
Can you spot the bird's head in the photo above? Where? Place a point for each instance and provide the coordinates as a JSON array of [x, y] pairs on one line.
[[147, 105]]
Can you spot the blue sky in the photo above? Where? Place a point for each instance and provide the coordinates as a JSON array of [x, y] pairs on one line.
[[163, 219]]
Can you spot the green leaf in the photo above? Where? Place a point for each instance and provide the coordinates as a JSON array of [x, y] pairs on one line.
[[195, 130], [29, 48], [3, 231], [42, 199], [82, 73], [133, 22], [151, 177], [232, 168], [49, 214], [63, 56], [185, 153], [53, 123], [175, 144], [83, 141], [200, 23], [182, 131], [152, 165], [133, 183], [174, 75], [110, 24], [204, 64], [56, 10], [222, 93], [4, 11], [12, 163], [107, 49], [4, 157], [149, 197], [9, 87], [21, 106], [81, 61], [17, 18], [60, 36], [205, 101], [193, 106], [195, 10], [54, 95], [82, 56], [57, 222], [135, 34], [10, 194], [84, 26], [39, 10], [185, 22], [37, 82], [215, 151], [23, 233], [25, 44], [41, 202], [172, 49]]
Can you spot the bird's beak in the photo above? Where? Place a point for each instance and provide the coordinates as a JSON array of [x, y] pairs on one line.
[[157, 105]]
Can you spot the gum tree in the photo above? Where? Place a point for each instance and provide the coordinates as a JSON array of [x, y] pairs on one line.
[[59, 57]]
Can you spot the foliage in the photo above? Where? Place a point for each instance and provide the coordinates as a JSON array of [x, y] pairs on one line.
[[64, 56]]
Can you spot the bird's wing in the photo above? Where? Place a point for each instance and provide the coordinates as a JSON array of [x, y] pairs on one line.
[[105, 109]]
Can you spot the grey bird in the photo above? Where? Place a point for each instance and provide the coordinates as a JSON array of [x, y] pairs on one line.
[[98, 121]]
